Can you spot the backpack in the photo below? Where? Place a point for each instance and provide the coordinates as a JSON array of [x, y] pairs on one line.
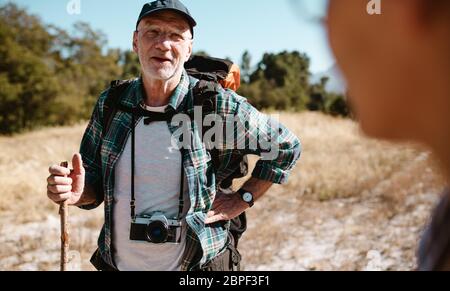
[[214, 74]]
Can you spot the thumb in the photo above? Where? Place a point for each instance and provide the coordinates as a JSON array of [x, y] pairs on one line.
[[77, 164]]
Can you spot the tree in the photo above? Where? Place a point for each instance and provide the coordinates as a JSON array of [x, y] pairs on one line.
[[28, 84], [326, 102], [130, 63], [47, 75], [201, 53], [283, 81], [246, 66]]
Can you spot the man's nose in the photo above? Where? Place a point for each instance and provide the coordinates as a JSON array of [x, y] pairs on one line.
[[163, 43]]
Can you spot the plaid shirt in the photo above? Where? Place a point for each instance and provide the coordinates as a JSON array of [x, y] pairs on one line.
[[204, 242]]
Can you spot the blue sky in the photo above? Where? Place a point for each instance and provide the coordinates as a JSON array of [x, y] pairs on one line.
[[225, 28]]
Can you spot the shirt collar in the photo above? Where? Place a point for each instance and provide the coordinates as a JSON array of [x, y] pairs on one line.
[[177, 96]]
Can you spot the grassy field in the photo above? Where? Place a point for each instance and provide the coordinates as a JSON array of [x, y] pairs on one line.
[[352, 203]]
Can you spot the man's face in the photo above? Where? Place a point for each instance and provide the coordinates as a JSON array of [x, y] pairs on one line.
[[163, 43]]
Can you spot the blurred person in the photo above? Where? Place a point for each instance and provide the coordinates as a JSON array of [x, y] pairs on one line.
[[397, 68], [107, 167]]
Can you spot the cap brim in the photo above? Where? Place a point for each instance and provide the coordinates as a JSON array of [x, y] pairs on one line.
[[189, 18]]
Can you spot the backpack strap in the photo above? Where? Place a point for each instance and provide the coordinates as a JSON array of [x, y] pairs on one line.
[[205, 95], [112, 101]]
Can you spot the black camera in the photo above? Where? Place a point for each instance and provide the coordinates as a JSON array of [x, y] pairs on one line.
[[156, 229]]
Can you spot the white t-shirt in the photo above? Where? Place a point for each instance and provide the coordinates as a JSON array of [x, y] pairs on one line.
[[157, 187]]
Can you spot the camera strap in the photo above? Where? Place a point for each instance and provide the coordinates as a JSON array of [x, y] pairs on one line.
[[150, 117]]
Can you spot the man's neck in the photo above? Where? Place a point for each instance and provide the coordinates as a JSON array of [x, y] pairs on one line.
[[158, 92]]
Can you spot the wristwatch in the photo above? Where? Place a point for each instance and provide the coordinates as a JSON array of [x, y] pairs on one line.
[[246, 197]]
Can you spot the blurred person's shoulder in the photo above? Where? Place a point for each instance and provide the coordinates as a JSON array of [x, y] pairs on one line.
[[434, 249]]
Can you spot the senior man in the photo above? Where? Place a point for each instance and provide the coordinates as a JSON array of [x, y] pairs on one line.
[[163, 210]]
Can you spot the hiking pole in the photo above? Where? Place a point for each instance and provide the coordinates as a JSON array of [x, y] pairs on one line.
[[64, 215]]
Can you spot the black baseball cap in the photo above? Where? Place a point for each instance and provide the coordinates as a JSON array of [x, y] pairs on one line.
[[161, 5]]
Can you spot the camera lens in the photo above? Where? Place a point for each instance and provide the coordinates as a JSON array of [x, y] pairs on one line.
[[157, 232]]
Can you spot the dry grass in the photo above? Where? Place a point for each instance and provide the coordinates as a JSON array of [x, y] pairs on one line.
[[343, 199], [347, 196], [24, 161], [30, 232], [339, 162]]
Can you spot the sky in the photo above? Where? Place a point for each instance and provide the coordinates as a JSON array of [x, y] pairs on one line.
[[225, 28]]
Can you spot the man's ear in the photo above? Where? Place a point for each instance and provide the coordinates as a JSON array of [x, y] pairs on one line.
[[135, 42], [188, 56]]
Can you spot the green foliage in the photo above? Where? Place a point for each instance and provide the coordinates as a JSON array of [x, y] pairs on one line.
[[49, 76], [282, 82], [130, 64], [327, 102], [201, 53], [29, 86], [246, 66]]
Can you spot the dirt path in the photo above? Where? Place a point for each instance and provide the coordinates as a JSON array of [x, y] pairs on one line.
[[342, 234], [351, 203]]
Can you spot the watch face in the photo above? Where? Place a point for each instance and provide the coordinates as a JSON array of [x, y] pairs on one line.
[[248, 197]]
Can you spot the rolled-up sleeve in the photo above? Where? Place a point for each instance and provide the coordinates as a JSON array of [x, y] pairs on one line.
[[266, 137]]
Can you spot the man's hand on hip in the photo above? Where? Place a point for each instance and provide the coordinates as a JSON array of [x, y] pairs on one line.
[[226, 207]]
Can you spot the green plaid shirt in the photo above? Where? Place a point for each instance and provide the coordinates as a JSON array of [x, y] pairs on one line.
[[204, 242]]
